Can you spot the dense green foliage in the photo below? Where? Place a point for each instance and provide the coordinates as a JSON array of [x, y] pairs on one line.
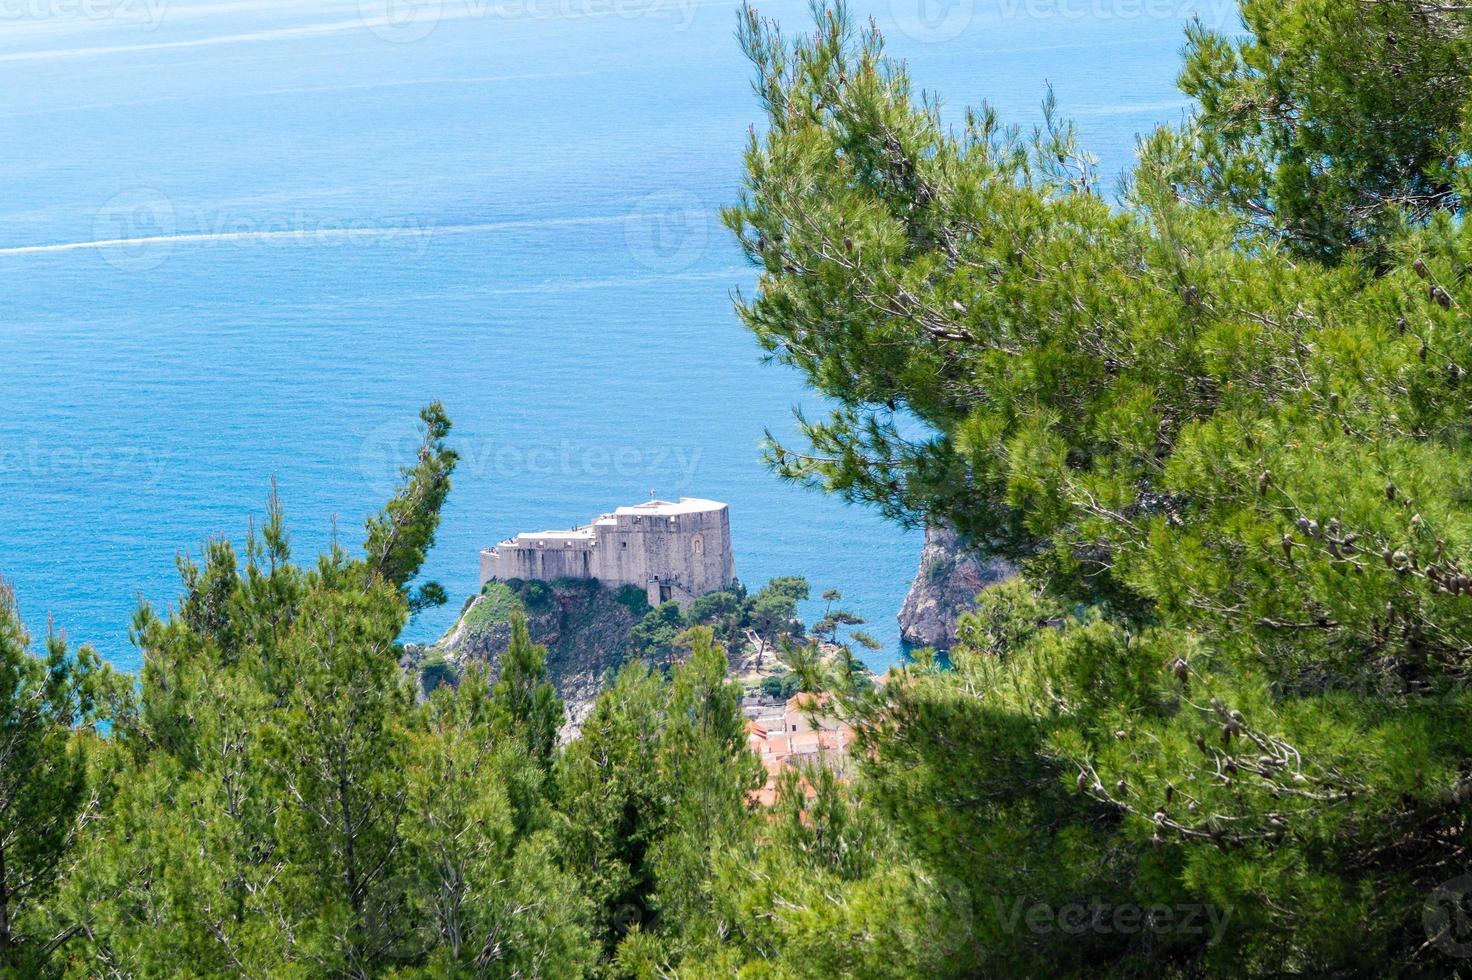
[[654, 637], [1220, 726], [1220, 422], [278, 804], [735, 617], [49, 707], [273, 802], [1334, 125], [499, 601]]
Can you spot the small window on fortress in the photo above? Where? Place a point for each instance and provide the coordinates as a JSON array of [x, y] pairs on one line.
[[623, 544], [697, 544], [637, 519]]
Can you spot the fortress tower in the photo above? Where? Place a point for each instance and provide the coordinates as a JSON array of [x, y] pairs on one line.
[[676, 551]]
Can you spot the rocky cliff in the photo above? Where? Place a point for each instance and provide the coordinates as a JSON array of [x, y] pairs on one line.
[[584, 627], [945, 586]]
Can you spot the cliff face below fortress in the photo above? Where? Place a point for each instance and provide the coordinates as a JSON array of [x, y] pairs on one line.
[[584, 626], [587, 630], [946, 584]]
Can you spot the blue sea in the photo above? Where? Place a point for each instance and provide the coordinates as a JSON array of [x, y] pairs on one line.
[[245, 240]]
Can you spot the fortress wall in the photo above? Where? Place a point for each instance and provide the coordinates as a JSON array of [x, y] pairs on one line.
[[538, 563], [694, 549], [691, 549]]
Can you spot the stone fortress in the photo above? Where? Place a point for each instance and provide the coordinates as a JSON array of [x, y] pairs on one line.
[[674, 551]]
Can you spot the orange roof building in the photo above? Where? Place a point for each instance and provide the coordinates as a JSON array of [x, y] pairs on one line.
[[807, 737]]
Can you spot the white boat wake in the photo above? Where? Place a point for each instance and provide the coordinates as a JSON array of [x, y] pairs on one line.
[[409, 229]]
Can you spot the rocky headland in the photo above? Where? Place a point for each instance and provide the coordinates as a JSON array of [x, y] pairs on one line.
[[950, 575], [590, 631], [584, 626]]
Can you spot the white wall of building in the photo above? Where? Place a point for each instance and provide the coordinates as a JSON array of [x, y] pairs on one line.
[[685, 546]]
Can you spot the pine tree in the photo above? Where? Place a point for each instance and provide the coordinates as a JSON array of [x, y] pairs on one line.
[[337, 752], [400, 536], [1331, 126], [255, 821], [491, 896], [1220, 424], [610, 801], [708, 770], [44, 785], [528, 708]]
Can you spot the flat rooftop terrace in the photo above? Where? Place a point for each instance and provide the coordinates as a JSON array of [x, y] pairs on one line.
[[664, 508], [651, 508]]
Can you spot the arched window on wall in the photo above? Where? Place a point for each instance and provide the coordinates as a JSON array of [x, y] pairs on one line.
[[697, 544]]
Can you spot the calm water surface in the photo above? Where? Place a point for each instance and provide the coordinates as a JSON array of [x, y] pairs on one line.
[[245, 240]]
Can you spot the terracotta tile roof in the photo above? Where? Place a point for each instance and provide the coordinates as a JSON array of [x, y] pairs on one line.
[[807, 738], [803, 700]]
